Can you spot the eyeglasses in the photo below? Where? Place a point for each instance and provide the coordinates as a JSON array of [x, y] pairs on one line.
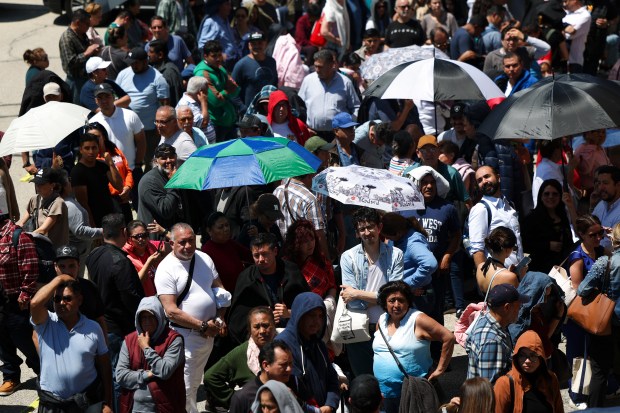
[[369, 228], [525, 356], [144, 235], [186, 120], [163, 122], [431, 149], [65, 298], [406, 7]]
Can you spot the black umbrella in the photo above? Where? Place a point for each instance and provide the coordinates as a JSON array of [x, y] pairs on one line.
[[555, 107], [379, 86]]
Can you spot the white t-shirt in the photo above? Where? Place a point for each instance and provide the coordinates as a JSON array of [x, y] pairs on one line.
[[375, 280], [121, 127], [182, 142], [282, 129], [450, 135], [171, 277]]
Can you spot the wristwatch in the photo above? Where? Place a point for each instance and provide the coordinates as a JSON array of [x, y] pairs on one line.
[[203, 327], [27, 164]]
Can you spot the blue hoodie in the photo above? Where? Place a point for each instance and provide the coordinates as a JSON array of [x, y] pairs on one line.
[[311, 362]]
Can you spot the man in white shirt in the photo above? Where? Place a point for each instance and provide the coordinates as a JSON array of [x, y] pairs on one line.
[[548, 168], [607, 186], [578, 19], [168, 129], [196, 311], [501, 214]]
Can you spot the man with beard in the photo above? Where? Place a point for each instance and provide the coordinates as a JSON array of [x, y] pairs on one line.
[[156, 202], [607, 186], [492, 211]]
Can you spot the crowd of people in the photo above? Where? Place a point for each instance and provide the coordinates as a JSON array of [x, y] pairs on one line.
[[117, 306]]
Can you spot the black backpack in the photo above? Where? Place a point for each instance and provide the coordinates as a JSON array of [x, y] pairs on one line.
[[45, 253]]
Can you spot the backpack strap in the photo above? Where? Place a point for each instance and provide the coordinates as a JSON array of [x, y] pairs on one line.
[[488, 208], [190, 278], [400, 366]]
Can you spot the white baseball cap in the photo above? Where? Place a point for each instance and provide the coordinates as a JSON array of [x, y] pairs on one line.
[[95, 63]]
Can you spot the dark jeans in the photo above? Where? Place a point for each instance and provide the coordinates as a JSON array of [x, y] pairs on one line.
[[575, 347], [360, 355], [114, 348], [600, 351], [456, 280], [16, 333]]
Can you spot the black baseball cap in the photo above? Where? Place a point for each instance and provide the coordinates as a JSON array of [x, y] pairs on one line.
[[67, 251], [504, 294], [164, 149], [103, 88], [136, 54]]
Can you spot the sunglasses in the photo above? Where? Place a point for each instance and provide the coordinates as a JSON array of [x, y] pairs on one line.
[[65, 298], [140, 236], [600, 234]]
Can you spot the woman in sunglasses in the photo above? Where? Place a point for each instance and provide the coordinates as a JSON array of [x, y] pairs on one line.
[[578, 264], [144, 254]]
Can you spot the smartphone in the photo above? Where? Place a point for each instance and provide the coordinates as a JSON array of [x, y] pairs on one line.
[[524, 262]]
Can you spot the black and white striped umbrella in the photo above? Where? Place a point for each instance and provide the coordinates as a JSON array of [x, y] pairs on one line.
[[435, 80]]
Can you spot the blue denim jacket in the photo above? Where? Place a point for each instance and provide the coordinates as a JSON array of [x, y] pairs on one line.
[[594, 280], [354, 266]]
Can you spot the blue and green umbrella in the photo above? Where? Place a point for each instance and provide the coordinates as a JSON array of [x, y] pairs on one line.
[[244, 161]]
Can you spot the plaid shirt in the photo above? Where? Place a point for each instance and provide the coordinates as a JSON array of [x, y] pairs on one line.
[[19, 268], [489, 349], [302, 204], [319, 279], [72, 48]]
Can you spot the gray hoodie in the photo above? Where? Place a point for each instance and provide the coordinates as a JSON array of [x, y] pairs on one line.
[[287, 403], [161, 367]]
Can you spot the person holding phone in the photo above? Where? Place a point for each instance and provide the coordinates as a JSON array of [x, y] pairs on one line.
[[144, 254]]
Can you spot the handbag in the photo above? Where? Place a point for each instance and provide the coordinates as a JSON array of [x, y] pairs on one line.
[[594, 314], [558, 364], [350, 325], [559, 275], [582, 373], [316, 38]]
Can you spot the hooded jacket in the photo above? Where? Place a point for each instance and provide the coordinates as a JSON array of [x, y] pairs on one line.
[[547, 383], [284, 398], [298, 127], [165, 391], [311, 363]]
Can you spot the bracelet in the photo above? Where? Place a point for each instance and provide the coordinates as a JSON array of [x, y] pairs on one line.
[[203, 327]]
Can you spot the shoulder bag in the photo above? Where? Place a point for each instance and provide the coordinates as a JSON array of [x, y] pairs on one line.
[[562, 279], [593, 314]]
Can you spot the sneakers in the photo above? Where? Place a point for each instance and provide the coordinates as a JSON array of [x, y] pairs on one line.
[[9, 387], [577, 406]]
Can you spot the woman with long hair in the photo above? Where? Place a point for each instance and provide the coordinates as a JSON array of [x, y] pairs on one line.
[[144, 254], [546, 231], [578, 264], [121, 198], [437, 16]]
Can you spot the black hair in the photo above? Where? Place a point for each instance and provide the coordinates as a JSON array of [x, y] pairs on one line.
[[88, 137], [351, 59], [213, 218], [584, 222], [159, 46], [73, 285], [268, 352], [264, 238], [612, 170], [325, 55], [365, 214], [560, 209], [384, 132], [212, 46], [314, 10], [512, 55], [80, 15], [260, 310], [113, 225], [394, 287], [448, 147], [136, 223], [547, 148], [159, 18], [115, 34], [500, 238], [109, 145], [402, 143]]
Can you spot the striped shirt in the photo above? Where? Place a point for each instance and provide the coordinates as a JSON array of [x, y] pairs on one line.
[[302, 204]]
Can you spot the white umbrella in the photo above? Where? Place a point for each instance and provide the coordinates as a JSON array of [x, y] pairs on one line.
[[42, 127], [369, 187], [440, 79]]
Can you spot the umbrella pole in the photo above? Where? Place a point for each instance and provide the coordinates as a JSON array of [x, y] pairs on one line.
[[435, 106], [565, 186]]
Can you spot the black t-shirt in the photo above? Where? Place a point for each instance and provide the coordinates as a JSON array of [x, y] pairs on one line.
[[405, 34], [96, 181]]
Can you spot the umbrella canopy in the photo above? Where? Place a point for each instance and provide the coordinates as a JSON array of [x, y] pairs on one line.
[[369, 187], [440, 79], [42, 127], [244, 161], [556, 107], [378, 64]]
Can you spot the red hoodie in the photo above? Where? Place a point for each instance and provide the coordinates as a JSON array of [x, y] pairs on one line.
[[297, 126]]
